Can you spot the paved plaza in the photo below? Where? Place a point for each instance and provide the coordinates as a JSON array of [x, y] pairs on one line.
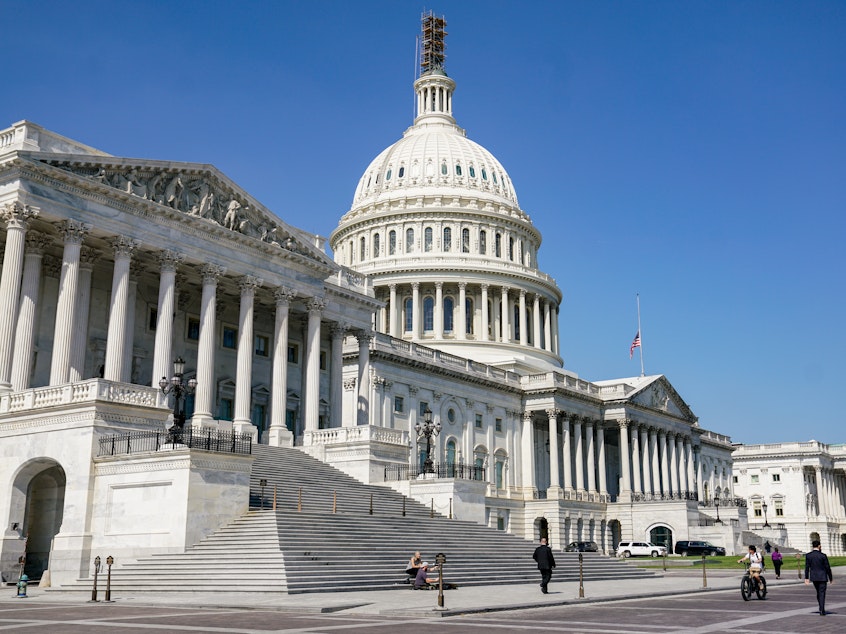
[[675, 602]]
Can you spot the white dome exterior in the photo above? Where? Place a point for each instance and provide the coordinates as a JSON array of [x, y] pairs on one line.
[[436, 225]]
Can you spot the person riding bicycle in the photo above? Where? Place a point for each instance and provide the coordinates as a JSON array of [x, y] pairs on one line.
[[755, 564]]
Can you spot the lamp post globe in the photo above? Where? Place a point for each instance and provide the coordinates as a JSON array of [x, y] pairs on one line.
[[717, 506]]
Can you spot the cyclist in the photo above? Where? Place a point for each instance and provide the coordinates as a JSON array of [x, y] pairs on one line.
[[755, 565]]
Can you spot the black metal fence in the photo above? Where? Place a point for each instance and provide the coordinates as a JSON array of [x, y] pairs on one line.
[[205, 439], [439, 470]]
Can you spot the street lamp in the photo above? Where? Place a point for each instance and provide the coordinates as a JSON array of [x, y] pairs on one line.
[[764, 507], [179, 391], [717, 506], [427, 430]]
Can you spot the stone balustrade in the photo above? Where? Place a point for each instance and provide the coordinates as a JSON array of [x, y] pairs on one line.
[[87, 391], [358, 434]]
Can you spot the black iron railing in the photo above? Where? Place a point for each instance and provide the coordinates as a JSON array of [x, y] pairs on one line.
[[438, 470], [205, 439]]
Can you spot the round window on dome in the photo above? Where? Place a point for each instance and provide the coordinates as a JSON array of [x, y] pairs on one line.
[[451, 415]]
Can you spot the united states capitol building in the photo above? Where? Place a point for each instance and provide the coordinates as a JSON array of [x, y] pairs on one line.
[[434, 314]]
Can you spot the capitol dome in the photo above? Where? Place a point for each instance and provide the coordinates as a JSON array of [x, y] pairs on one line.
[[436, 225]]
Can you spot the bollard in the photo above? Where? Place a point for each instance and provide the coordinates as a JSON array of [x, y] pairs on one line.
[[109, 561], [300, 500], [581, 578], [704, 576], [23, 581], [432, 510], [665, 561], [403, 506], [274, 497], [371, 504], [96, 571], [334, 501], [440, 559], [450, 508], [262, 484], [799, 566]]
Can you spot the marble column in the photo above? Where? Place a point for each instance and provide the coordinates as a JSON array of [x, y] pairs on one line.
[[17, 217], [79, 346], [242, 422], [555, 340], [116, 339], [683, 488], [580, 458], [73, 233], [655, 461], [689, 461], [395, 326], [600, 444], [506, 322], [636, 484], [536, 322], [166, 309], [665, 464], [567, 452], [554, 474], [279, 435], [461, 328], [135, 271], [673, 464], [527, 455], [336, 375], [363, 409], [646, 462], [524, 334], [206, 382], [28, 311], [591, 456], [697, 451], [625, 461], [316, 305], [415, 311], [439, 310], [485, 316], [547, 328]]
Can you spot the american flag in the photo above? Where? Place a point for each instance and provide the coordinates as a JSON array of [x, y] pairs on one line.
[[635, 344]]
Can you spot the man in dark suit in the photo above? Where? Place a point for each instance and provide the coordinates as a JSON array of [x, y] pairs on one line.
[[818, 570], [546, 562]]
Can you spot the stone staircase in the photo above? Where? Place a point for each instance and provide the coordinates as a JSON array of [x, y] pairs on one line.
[[322, 537]]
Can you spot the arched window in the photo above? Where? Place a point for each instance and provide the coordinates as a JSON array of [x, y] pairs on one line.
[[498, 245], [465, 240], [447, 239], [449, 309], [409, 240], [388, 175], [499, 468], [401, 172], [392, 243], [468, 316], [444, 170], [483, 242], [428, 314], [427, 239], [484, 174], [450, 452], [458, 169], [362, 251], [472, 172], [377, 244], [409, 315]]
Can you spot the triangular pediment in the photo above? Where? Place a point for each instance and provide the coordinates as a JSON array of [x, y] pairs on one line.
[[196, 190], [660, 395]]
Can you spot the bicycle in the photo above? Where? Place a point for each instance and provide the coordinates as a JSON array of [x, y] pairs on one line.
[[750, 585]]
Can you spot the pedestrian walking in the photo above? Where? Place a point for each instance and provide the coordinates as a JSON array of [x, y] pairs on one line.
[[546, 562], [818, 570], [777, 561]]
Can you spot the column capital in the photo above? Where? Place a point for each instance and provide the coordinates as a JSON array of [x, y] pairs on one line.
[[73, 231], [484, 287], [211, 273], [462, 285], [88, 257], [124, 246], [624, 423], [316, 305], [527, 416], [553, 413], [337, 329], [392, 287], [15, 214], [249, 284], [169, 260], [363, 336], [522, 293], [284, 295], [36, 242], [415, 285], [439, 284]]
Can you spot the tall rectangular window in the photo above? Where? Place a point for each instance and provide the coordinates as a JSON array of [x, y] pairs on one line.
[[478, 423], [779, 508], [262, 345], [293, 353], [230, 337], [498, 424], [225, 409], [193, 331], [399, 404]]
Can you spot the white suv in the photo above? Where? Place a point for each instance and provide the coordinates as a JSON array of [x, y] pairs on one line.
[[644, 549]]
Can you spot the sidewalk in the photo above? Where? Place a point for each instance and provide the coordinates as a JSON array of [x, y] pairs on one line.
[[418, 603]]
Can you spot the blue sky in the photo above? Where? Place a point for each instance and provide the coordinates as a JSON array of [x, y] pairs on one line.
[[692, 152]]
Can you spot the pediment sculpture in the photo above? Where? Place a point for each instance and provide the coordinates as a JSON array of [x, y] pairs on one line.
[[196, 195]]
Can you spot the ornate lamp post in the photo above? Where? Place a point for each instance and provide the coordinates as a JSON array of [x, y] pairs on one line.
[[764, 508], [179, 391], [717, 506], [427, 430]]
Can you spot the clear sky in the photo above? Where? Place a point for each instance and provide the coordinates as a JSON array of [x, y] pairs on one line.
[[693, 152]]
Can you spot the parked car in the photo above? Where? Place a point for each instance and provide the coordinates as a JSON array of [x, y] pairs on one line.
[[582, 547], [685, 548], [640, 549]]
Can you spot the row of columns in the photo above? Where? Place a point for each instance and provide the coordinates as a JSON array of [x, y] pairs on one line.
[[544, 323], [19, 293], [831, 492], [716, 472]]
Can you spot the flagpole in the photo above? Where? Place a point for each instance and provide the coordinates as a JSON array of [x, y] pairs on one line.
[[640, 332]]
